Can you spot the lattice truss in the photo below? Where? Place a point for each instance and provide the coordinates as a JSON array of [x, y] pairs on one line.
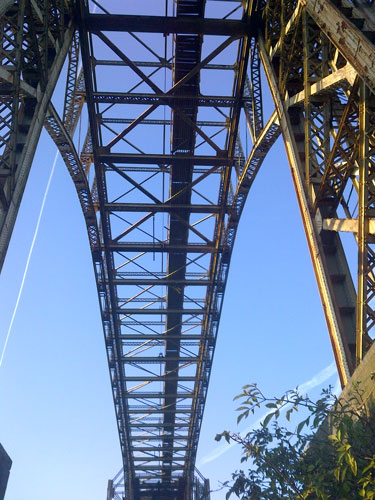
[[319, 58], [34, 38], [170, 182]]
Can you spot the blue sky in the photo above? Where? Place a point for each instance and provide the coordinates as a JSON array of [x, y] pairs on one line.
[[57, 419]]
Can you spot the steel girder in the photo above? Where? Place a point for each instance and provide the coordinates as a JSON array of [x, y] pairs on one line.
[[34, 40], [319, 58]]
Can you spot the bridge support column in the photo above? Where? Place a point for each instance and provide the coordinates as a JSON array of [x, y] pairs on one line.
[[308, 222]]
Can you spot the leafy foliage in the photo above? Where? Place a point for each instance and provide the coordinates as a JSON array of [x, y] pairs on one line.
[[329, 456]]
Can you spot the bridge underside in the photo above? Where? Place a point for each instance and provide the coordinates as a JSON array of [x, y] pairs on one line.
[[164, 156], [170, 92]]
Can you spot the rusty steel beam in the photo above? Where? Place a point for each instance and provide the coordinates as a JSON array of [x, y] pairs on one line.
[[348, 39], [308, 222]]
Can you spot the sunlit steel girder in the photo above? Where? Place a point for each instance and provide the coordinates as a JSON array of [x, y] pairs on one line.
[[319, 59]]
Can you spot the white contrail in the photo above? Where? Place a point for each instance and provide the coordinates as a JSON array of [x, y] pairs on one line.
[[318, 379], [28, 258], [315, 381]]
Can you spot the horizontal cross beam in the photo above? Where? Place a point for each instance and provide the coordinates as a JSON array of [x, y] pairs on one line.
[[146, 459], [157, 395], [149, 437], [158, 425], [152, 449], [160, 247], [146, 159], [147, 411], [162, 99], [161, 282], [166, 208], [191, 312], [161, 359], [166, 25], [160, 337], [157, 467], [162, 378]]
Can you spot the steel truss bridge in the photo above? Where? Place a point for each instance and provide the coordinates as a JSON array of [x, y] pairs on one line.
[[163, 176]]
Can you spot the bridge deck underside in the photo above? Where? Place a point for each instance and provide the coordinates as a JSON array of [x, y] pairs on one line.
[[166, 185]]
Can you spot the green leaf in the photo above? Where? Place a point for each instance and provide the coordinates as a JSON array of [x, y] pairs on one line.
[[218, 437], [271, 405], [348, 459], [316, 421], [354, 467], [337, 473], [267, 419], [240, 417], [343, 472], [300, 426], [370, 466]]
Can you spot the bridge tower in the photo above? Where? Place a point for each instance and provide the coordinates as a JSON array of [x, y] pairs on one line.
[[163, 177]]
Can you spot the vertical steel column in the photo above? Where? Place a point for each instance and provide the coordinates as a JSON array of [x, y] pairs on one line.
[[306, 87], [362, 224], [366, 211], [309, 226]]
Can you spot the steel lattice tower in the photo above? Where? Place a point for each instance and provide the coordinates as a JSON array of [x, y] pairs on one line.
[[162, 179]]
